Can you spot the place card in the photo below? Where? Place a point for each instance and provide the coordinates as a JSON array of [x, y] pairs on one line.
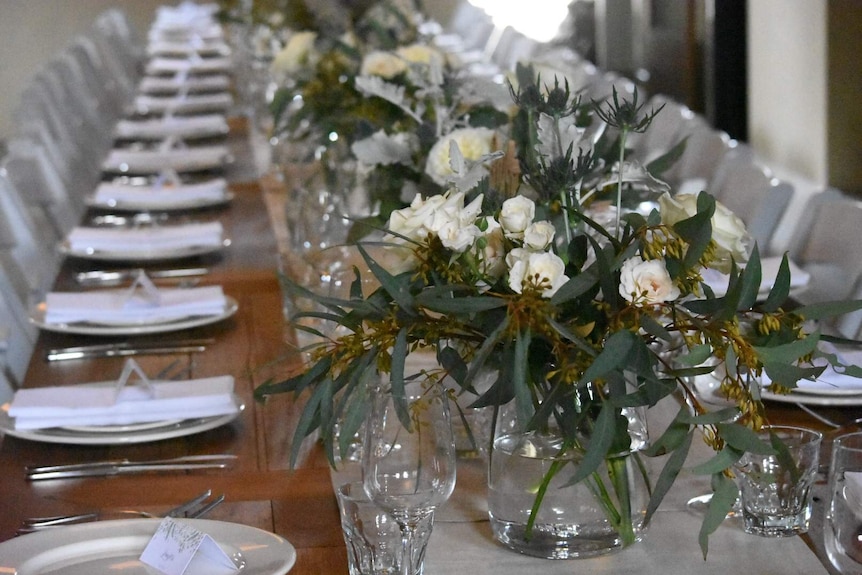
[[177, 546]]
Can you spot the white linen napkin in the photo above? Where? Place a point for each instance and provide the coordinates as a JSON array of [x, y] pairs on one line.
[[193, 65], [180, 82], [97, 404], [799, 278], [133, 307], [178, 126], [160, 195], [194, 46], [216, 102], [125, 160], [145, 239]]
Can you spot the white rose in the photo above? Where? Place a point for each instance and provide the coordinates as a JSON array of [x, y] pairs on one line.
[[297, 54], [541, 270], [420, 54], [646, 281], [539, 235], [473, 144], [383, 64], [457, 237], [442, 215], [416, 220], [516, 215], [728, 231]]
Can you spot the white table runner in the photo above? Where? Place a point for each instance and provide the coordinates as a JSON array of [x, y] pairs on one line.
[[462, 541]]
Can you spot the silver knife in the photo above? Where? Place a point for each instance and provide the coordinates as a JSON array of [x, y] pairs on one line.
[[127, 349], [116, 277], [124, 466]]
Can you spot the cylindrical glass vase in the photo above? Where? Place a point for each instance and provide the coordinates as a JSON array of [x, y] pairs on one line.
[[536, 510]]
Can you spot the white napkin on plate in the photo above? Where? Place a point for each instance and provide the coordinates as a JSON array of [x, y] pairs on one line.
[[188, 48], [161, 196], [145, 239], [183, 104], [103, 403], [127, 160], [133, 307], [193, 65], [179, 126], [799, 278], [180, 82]]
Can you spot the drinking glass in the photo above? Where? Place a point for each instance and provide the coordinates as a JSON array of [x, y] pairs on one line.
[[409, 460], [775, 491], [842, 530]]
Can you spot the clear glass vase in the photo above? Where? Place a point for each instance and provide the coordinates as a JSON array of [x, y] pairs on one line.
[[534, 511]]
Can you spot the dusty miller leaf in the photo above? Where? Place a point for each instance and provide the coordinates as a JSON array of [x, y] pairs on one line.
[[555, 136], [382, 149]]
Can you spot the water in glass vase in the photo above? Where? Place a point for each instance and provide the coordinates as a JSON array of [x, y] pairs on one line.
[[585, 520]]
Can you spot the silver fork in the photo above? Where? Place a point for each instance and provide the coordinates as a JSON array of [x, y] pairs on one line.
[[194, 508]]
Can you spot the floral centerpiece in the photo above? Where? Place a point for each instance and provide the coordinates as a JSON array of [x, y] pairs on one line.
[[575, 278]]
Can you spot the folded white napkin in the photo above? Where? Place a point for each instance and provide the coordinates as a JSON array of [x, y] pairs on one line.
[[128, 160], [193, 65], [145, 239], [103, 404], [179, 126], [799, 278], [162, 196], [195, 46], [183, 104], [133, 306], [181, 32], [188, 84]]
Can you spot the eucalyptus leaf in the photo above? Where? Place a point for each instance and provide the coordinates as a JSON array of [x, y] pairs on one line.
[[719, 462], [396, 379], [599, 445], [743, 438], [668, 475], [780, 288], [696, 355], [724, 496], [828, 309]]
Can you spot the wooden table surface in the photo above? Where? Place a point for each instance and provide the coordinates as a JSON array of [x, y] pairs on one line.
[[260, 490]]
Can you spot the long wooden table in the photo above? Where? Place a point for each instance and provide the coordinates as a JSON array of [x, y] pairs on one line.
[[260, 490]]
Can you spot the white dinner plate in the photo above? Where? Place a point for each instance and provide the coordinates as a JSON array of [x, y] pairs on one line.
[[37, 316], [114, 546], [142, 256], [116, 434], [707, 389], [812, 399], [133, 206]]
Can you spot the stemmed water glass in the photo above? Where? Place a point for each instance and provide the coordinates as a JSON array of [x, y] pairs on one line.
[[409, 461]]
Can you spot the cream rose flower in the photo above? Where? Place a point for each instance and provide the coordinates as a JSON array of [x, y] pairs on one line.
[[420, 54], [516, 215], [539, 235], [473, 143], [383, 64], [541, 270], [728, 231], [646, 281], [431, 215], [296, 55]]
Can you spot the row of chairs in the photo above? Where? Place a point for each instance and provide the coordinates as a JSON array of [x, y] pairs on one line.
[[63, 129]]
